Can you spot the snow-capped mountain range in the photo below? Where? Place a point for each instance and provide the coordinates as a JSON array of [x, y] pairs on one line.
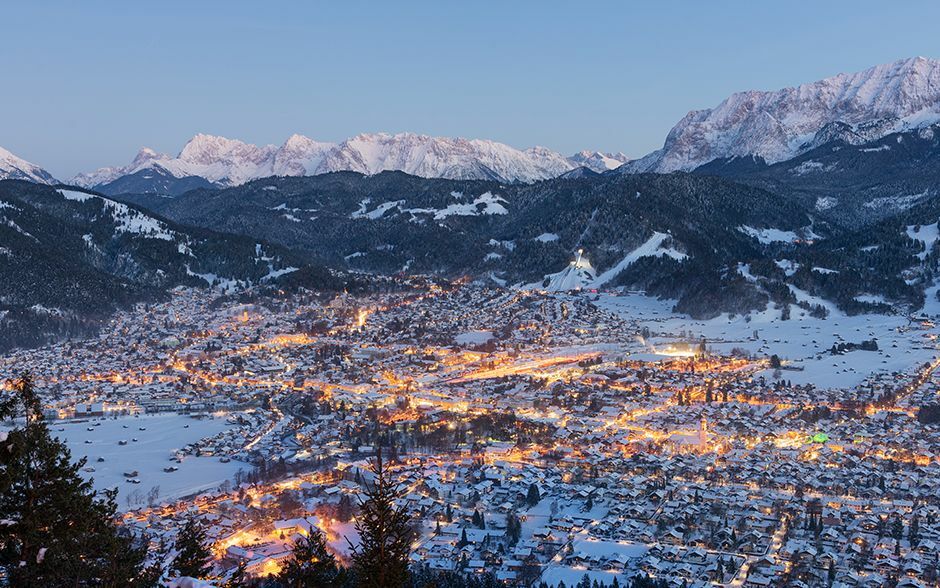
[[598, 161], [229, 162], [781, 124], [771, 125], [15, 168]]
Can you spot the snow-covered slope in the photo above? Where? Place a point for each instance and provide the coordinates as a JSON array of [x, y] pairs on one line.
[[778, 125], [299, 156], [228, 162], [144, 159], [577, 275], [652, 247], [16, 168]]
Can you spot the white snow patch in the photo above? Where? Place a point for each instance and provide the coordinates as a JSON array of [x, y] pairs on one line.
[[788, 266], [926, 234], [507, 245], [276, 273], [871, 298], [492, 204], [826, 202], [803, 340], [771, 235], [810, 166], [473, 337], [744, 269], [214, 280], [75, 195], [379, 211], [804, 296]]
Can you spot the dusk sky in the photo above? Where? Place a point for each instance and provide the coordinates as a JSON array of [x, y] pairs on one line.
[[98, 80]]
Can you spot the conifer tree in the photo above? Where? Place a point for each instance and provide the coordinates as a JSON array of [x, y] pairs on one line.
[[532, 496], [344, 511], [193, 558], [55, 529], [311, 564], [238, 578], [381, 559], [463, 539]]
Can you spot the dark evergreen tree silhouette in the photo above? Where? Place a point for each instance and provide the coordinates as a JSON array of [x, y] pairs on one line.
[[193, 558], [385, 534], [532, 496], [238, 578], [56, 530], [311, 564]]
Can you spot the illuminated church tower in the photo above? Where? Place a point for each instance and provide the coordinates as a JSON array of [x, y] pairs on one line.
[[703, 434]]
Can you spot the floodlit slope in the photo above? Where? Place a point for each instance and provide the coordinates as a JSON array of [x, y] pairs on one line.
[[576, 276]]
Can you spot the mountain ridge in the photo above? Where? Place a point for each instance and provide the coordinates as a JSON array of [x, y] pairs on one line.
[[780, 124], [225, 162], [13, 167]]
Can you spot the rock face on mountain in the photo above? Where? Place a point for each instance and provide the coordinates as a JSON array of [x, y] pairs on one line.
[[216, 161], [781, 124], [442, 157], [16, 168], [598, 161], [847, 181]]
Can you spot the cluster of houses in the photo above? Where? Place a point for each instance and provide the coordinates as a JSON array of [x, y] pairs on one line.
[[537, 437]]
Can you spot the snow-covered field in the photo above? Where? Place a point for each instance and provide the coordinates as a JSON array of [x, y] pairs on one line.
[[803, 341], [148, 455]]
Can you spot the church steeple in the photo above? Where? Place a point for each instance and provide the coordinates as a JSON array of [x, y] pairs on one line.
[[703, 434]]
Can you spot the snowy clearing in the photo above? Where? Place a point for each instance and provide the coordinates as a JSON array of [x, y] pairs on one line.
[[148, 455], [803, 342], [767, 236]]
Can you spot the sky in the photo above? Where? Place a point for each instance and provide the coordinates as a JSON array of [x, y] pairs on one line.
[[89, 83]]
